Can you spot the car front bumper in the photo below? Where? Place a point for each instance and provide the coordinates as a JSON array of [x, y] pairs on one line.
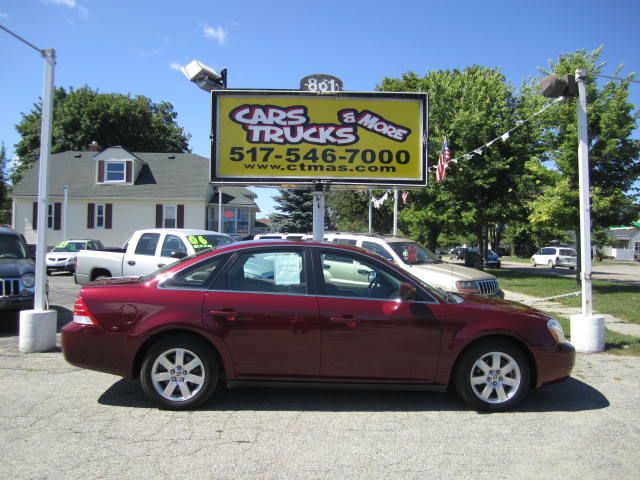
[[554, 363], [16, 302]]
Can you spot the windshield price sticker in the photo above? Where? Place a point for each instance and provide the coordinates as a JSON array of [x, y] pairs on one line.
[[366, 140], [198, 242], [62, 244]]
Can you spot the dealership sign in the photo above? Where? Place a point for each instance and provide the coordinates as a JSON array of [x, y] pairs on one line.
[[298, 138]]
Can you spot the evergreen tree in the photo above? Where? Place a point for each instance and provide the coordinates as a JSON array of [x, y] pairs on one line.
[[296, 207]]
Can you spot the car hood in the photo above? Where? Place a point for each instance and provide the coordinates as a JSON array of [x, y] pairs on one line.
[[61, 254], [503, 306], [464, 273], [12, 268]]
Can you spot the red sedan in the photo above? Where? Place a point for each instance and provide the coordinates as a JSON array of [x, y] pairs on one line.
[[309, 313]]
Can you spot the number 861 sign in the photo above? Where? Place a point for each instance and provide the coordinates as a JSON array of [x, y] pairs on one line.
[[321, 83]]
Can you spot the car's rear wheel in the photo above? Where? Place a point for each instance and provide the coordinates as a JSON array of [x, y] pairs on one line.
[[550, 264], [179, 373], [493, 376]]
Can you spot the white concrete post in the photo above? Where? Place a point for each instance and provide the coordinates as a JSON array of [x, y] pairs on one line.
[[64, 213], [318, 215], [219, 208], [370, 211], [395, 211], [587, 330], [38, 326]]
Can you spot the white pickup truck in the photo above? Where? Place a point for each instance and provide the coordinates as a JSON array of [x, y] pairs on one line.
[[144, 252]]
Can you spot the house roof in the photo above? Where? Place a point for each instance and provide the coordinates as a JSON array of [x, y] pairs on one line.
[[164, 175], [234, 197]]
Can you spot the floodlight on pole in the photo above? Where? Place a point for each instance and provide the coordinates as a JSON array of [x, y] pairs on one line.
[[38, 326], [207, 79], [587, 329]]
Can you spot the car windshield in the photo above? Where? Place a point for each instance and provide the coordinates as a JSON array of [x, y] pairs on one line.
[[70, 247], [12, 247], [149, 276], [413, 253]]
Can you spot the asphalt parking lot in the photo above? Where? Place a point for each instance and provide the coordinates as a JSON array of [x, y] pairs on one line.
[[60, 422]]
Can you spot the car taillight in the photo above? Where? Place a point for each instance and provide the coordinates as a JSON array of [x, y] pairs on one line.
[[81, 313]]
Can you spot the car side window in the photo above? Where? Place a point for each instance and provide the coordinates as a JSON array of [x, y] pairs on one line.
[[364, 280], [270, 271], [171, 244], [379, 249], [197, 276], [147, 244]]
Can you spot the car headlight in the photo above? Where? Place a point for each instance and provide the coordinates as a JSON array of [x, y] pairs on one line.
[[28, 280], [555, 329], [467, 286]]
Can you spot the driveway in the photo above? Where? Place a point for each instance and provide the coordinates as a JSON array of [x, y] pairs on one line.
[[62, 422]]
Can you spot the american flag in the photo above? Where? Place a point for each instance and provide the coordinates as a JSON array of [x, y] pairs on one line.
[[443, 162]]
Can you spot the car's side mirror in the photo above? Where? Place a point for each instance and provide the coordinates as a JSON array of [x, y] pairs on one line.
[[407, 291], [178, 255]]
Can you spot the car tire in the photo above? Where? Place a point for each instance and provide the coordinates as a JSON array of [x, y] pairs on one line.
[[481, 379], [550, 264], [533, 263], [172, 388], [49, 272]]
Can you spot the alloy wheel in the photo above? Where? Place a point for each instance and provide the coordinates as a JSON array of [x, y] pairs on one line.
[[495, 377], [178, 374]]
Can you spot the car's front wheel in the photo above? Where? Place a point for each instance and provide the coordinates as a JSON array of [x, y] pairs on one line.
[[493, 376], [533, 263], [179, 373]]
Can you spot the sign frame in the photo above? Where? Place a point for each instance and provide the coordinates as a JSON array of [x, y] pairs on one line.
[[304, 182]]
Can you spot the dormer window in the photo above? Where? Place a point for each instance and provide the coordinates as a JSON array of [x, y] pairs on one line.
[[115, 172]]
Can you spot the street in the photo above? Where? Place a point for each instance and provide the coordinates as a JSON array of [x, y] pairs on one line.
[[615, 272]]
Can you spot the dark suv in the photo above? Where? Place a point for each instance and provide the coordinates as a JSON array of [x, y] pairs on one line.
[[17, 272]]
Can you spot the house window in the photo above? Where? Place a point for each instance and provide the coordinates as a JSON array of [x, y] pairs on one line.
[[637, 248], [235, 221], [170, 216], [99, 215], [51, 216], [115, 172]]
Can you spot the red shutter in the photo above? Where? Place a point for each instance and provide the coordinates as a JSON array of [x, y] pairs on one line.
[[180, 221], [108, 215], [34, 222], [91, 214], [100, 172], [128, 166], [159, 215], [57, 215]]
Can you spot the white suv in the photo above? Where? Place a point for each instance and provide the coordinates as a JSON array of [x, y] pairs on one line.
[[555, 257], [422, 263]]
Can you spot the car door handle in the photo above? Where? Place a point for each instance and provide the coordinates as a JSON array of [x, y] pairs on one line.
[[131, 262], [228, 313], [160, 265], [348, 321], [363, 271]]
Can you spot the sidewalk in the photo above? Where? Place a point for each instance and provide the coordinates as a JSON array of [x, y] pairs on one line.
[[611, 322]]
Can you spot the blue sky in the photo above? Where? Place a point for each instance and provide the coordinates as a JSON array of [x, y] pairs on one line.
[[136, 46]]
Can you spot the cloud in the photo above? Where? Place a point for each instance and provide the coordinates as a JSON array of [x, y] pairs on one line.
[[175, 66], [218, 34], [72, 4], [4, 15]]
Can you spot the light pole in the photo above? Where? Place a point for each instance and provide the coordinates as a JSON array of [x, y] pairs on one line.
[[38, 326], [587, 329], [207, 79]]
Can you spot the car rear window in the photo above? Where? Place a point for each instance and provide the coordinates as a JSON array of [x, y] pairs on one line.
[[567, 252]]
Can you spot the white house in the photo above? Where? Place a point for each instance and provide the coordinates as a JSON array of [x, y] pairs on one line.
[[625, 242], [114, 192]]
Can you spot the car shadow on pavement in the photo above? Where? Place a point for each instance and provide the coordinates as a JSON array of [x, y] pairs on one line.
[[569, 396]]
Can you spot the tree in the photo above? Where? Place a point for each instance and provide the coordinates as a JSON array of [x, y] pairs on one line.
[[5, 211], [84, 115], [297, 212]]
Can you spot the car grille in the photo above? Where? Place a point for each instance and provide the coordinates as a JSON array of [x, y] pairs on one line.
[[9, 287], [487, 287]]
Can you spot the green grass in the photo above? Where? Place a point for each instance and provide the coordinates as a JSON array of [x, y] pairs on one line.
[[614, 342], [508, 258], [617, 299]]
